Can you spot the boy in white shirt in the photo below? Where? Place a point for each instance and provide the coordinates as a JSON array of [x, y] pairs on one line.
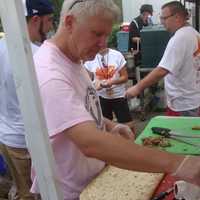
[[110, 76]]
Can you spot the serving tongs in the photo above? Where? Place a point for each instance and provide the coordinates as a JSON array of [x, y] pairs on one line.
[[168, 133]]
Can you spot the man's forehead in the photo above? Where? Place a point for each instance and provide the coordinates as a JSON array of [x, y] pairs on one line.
[[99, 23], [47, 17], [98, 19], [148, 13], [166, 10], [50, 16]]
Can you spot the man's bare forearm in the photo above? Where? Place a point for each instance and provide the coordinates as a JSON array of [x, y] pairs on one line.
[[120, 80], [153, 77], [123, 153]]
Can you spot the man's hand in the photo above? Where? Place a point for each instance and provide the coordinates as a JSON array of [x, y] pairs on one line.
[[132, 92], [97, 84], [189, 170], [106, 83], [124, 131]]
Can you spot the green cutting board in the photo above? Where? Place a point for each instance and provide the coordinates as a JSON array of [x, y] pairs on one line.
[[181, 125]]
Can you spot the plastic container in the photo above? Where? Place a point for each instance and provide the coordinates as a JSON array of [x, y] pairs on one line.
[[130, 60], [122, 41], [133, 103]]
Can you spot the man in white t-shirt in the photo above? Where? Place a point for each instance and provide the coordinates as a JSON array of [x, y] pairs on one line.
[[179, 66], [110, 76], [82, 140], [12, 133]]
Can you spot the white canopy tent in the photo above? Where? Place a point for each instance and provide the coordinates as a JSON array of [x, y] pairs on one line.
[[14, 24]]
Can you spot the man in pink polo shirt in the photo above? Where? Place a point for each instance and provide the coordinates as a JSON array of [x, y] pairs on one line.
[[82, 140]]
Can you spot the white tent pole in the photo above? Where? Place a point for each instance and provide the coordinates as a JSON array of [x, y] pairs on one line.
[[14, 24]]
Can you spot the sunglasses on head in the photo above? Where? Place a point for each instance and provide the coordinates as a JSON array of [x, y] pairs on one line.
[[76, 2]]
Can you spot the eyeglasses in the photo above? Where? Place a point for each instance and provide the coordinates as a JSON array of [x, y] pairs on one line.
[[165, 18], [75, 2]]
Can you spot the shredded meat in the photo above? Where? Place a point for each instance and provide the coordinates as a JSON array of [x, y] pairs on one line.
[[156, 141]]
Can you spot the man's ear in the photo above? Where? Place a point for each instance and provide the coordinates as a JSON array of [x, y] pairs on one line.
[[178, 17], [69, 22], [35, 19]]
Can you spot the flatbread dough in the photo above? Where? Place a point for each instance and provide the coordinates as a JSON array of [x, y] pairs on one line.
[[118, 184]]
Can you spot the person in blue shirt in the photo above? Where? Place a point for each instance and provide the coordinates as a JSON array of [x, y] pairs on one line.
[[39, 15]]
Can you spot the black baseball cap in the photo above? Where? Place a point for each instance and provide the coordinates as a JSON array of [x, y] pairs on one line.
[[38, 7], [146, 8]]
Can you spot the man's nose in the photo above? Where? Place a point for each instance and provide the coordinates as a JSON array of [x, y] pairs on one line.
[[103, 42]]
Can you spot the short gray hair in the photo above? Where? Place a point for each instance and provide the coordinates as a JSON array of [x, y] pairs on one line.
[[85, 8]]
